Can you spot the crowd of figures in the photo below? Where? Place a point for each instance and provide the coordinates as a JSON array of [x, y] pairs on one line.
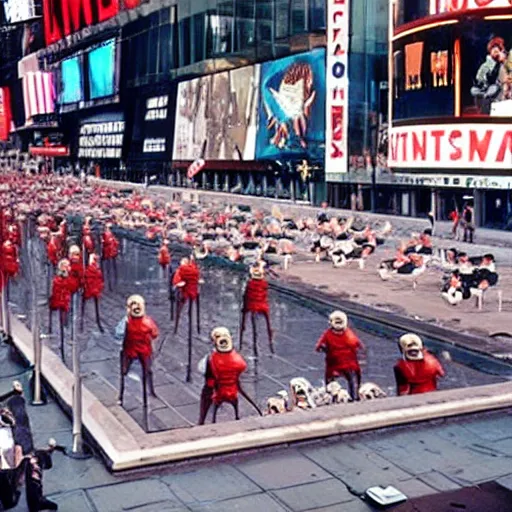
[[82, 259]]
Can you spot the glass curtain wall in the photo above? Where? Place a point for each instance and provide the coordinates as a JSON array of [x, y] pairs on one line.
[[197, 35]]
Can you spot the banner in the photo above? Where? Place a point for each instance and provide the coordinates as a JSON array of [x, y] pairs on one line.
[[38, 94], [5, 113], [19, 10], [451, 146], [336, 136], [101, 140], [195, 168]]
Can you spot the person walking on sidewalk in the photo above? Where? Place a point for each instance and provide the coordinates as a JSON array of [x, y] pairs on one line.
[[455, 218], [468, 220]]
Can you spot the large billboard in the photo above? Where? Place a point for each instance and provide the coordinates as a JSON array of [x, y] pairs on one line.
[[292, 107], [38, 94], [216, 116], [337, 82], [452, 146], [102, 137], [65, 17]]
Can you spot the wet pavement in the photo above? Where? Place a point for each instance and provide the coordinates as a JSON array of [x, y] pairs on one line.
[[297, 325]]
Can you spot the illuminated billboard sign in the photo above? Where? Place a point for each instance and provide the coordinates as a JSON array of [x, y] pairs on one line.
[[102, 70], [101, 140], [65, 17], [456, 146], [441, 6], [336, 121], [16, 11]]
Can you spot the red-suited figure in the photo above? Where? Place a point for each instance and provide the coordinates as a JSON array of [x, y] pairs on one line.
[[60, 298], [256, 303], [76, 274], [222, 370], [186, 279], [418, 371], [109, 254], [164, 255], [87, 239], [14, 234], [341, 344], [93, 288], [10, 264], [140, 332], [53, 249]]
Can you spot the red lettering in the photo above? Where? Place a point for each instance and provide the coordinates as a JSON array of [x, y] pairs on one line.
[[64, 17], [457, 5], [393, 146], [437, 134], [506, 147], [419, 149], [336, 15], [456, 154], [479, 146], [336, 151], [483, 3], [404, 136], [338, 93]]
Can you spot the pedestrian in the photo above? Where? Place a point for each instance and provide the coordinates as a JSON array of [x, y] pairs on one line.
[[454, 216], [468, 220]]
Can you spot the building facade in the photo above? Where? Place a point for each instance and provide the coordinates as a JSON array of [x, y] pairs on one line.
[[450, 139]]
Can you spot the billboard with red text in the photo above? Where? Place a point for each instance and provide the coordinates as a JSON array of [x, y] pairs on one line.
[[65, 17]]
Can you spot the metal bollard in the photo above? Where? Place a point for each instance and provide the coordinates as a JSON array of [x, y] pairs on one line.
[[77, 386], [6, 321]]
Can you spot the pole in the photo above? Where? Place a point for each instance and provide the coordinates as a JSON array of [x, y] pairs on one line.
[[6, 323], [77, 386]]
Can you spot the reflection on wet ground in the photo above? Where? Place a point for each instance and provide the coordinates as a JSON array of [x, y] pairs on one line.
[[297, 325]]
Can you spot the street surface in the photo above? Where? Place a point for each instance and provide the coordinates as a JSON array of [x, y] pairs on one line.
[[297, 326]]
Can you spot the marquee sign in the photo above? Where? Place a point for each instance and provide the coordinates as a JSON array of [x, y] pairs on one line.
[[336, 137], [101, 140], [452, 146], [65, 17], [442, 6]]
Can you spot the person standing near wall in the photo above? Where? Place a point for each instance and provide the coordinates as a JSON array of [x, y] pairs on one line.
[[468, 220]]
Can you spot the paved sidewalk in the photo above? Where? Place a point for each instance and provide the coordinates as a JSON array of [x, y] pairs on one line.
[[324, 476]]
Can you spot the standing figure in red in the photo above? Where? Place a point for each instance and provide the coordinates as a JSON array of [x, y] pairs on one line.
[[93, 288], [53, 249], [164, 256], [256, 303], [10, 259], [418, 370], [222, 370], [140, 331], [186, 279], [76, 274], [87, 239], [109, 253], [340, 344], [60, 299]]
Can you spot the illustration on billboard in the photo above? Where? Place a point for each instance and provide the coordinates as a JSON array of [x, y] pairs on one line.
[[216, 116], [488, 76], [292, 107]]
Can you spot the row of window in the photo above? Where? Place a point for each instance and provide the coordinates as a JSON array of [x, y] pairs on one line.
[[252, 29]]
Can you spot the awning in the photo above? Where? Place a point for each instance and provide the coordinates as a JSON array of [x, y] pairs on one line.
[[51, 151]]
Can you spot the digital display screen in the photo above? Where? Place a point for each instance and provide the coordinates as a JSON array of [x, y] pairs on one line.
[[102, 70], [216, 116], [486, 69], [463, 69], [292, 107], [71, 81]]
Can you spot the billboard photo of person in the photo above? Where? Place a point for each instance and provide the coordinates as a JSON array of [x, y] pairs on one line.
[[487, 87]]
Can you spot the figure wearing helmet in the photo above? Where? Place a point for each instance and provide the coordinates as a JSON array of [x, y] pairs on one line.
[[418, 370], [341, 344], [140, 332], [222, 370]]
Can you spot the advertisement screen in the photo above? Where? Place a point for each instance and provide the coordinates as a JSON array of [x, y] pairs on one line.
[[216, 116], [101, 70], [71, 81], [486, 69], [292, 107], [424, 75], [101, 139], [408, 11]]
